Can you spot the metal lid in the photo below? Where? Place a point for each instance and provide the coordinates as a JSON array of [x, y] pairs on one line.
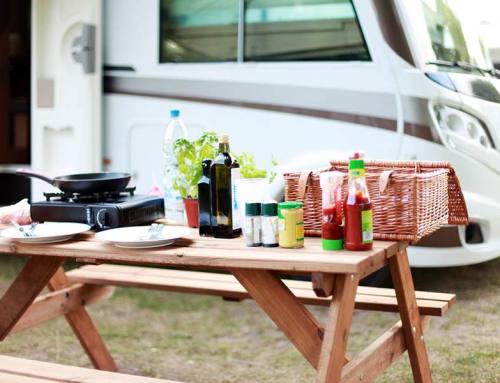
[[205, 165], [270, 208], [253, 209], [288, 205]]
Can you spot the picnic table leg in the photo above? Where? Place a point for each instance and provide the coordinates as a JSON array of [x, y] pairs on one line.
[[84, 329], [285, 310], [334, 347], [410, 316], [26, 287]]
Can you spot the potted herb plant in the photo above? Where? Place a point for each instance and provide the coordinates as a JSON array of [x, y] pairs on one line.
[[190, 154]]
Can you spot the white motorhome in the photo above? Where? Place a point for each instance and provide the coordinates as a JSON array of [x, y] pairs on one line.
[[304, 80]]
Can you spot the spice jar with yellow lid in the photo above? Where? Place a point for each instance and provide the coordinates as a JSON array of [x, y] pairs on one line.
[[291, 224]]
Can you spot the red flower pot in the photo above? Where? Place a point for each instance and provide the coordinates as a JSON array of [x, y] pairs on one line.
[[191, 207]]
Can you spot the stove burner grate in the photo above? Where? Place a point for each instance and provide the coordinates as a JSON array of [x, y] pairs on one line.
[[92, 197]]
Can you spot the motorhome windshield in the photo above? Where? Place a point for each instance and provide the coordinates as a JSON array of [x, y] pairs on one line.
[[454, 38]]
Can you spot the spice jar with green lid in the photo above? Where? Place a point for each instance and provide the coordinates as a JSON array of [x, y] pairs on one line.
[[270, 224], [252, 230], [291, 224]]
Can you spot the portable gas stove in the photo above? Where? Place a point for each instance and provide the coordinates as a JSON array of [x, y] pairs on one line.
[[99, 210]]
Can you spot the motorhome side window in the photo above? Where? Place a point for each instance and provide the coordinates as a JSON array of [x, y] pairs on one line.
[[273, 30], [304, 30], [198, 30]]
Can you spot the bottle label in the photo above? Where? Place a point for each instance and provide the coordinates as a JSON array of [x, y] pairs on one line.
[[299, 231], [281, 225], [357, 172], [174, 208], [367, 226], [236, 215]]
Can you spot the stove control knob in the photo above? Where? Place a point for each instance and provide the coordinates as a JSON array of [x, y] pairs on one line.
[[101, 218]]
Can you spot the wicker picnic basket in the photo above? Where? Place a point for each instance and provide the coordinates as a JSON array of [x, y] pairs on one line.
[[410, 199]]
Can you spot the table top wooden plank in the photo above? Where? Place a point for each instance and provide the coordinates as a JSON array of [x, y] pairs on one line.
[[214, 253]]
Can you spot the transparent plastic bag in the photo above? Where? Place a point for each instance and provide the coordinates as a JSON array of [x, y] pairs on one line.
[[19, 212]]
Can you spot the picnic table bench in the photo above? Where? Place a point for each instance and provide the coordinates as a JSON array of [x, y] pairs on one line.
[[19, 370], [255, 273]]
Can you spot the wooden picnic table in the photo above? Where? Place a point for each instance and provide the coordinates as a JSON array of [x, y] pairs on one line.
[[259, 270]]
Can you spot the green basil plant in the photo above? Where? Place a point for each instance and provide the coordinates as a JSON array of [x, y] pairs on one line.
[[190, 154]]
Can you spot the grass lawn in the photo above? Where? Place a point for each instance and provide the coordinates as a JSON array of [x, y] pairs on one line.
[[204, 339]]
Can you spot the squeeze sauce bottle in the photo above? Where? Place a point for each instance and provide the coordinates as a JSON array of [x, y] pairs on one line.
[[358, 208]]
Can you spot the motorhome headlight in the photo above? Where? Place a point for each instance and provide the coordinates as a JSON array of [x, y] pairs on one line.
[[462, 130]]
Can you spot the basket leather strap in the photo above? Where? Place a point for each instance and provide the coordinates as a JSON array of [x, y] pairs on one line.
[[383, 181], [418, 167], [302, 187]]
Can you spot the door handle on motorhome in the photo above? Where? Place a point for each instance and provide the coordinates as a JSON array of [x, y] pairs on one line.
[[78, 49], [83, 49]]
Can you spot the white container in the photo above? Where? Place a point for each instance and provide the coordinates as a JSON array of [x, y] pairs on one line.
[[251, 190]]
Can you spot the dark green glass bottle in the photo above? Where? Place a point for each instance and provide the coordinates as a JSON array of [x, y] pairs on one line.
[[223, 175], [204, 207]]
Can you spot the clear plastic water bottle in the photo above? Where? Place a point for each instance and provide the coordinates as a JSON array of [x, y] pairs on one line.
[[174, 209]]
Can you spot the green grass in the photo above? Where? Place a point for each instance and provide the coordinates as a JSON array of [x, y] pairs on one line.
[[198, 339]]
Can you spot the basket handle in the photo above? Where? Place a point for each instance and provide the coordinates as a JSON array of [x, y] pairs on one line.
[[384, 180], [418, 167], [303, 182]]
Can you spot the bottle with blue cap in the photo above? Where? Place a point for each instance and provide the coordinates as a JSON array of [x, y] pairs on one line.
[[174, 210]]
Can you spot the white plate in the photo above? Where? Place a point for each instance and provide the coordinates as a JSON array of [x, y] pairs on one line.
[[48, 232], [131, 237]]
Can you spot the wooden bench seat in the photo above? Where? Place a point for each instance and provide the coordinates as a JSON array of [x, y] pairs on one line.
[[18, 370], [225, 285]]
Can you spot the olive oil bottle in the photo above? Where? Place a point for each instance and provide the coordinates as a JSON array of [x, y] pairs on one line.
[[205, 209], [223, 176]]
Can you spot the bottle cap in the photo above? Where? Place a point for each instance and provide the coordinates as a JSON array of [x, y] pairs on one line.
[[252, 209], [224, 139], [205, 166], [270, 208], [175, 113], [333, 244], [288, 205], [357, 161]]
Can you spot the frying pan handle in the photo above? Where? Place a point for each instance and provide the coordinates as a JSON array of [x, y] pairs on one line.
[[32, 174]]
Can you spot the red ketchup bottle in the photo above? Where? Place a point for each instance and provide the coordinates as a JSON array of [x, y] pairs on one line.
[[332, 233], [358, 208]]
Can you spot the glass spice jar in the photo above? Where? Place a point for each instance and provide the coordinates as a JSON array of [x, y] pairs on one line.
[[291, 224], [270, 224], [252, 230]]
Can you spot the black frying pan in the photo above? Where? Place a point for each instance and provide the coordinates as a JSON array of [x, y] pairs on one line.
[[85, 183]]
